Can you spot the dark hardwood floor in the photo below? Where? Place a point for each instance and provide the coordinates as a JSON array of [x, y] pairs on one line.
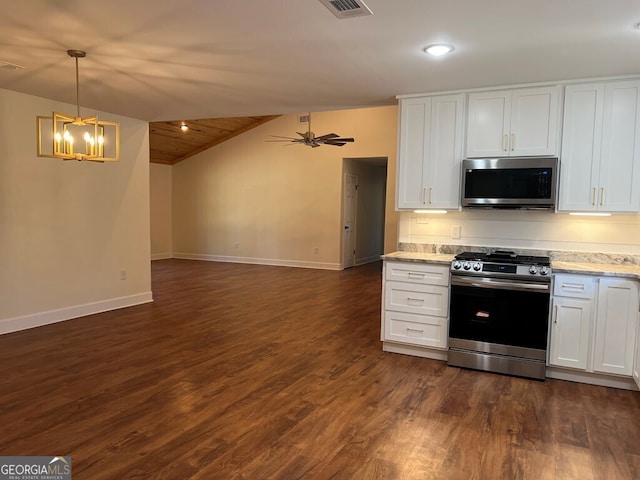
[[257, 372]]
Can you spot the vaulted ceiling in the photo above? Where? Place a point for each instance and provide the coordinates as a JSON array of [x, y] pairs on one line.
[[168, 61]]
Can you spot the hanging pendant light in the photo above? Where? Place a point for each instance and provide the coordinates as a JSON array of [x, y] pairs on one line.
[[75, 137]]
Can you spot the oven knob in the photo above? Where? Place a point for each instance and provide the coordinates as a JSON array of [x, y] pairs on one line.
[[477, 267], [467, 265], [544, 271], [533, 270], [456, 265]]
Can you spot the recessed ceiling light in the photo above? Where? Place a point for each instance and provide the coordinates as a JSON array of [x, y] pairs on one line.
[[438, 49], [184, 127]]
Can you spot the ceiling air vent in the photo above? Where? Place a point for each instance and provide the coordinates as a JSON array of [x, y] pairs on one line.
[[303, 118], [347, 8]]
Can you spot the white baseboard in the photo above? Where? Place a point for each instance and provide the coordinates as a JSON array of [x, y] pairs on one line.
[[258, 261], [15, 324], [161, 256]]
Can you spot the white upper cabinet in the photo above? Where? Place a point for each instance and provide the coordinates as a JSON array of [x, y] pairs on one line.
[[430, 152], [519, 122], [601, 148]]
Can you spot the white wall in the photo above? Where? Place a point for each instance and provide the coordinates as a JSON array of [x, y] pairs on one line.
[[68, 228], [161, 191], [618, 234], [251, 201]]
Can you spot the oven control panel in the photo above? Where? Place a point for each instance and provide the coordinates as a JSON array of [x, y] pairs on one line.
[[490, 268]]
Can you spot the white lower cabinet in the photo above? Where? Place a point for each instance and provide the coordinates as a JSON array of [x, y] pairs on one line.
[[594, 324], [570, 332], [616, 323], [636, 363], [415, 305]]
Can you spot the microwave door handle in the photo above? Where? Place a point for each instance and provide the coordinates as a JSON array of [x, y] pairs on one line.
[[499, 284]]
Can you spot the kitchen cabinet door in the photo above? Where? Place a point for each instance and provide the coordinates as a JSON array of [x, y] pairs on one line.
[[636, 363], [534, 121], [600, 164], [488, 124], [570, 332], [519, 122], [619, 186], [430, 152], [415, 131], [616, 322], [445, 152], [581, 146]]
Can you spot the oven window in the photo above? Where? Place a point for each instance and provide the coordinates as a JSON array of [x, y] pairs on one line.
[[507, 317]]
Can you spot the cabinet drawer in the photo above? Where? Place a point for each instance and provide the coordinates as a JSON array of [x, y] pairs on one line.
[[421, 273], [576, 286], [419, 299], [415, 329]]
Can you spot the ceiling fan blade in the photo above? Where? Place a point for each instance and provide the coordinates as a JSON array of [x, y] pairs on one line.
[[327, 136], [339, 140]]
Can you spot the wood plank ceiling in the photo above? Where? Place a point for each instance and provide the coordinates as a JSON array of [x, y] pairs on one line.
[[169, 145]]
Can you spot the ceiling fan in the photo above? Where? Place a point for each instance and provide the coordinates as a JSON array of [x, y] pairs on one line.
[[309, 138]]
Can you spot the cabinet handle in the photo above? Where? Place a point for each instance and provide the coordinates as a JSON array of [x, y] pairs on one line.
[[505, 142], [424, 195], [416, 274], [573, 286], [601, 196], [415, 300], [430, 191], [513, 142], [593, 201], [555, 314], [414, 330]]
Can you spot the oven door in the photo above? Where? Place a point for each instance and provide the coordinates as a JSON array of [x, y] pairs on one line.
[[502, 316]]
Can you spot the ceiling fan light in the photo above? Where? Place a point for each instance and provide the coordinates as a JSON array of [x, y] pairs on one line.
[[438, 49]]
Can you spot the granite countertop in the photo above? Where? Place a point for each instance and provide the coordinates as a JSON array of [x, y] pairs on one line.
[[437, 258], [605, 269], [580, 268]]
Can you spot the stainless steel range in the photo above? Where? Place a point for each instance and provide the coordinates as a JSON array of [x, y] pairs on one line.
[[499, 312]]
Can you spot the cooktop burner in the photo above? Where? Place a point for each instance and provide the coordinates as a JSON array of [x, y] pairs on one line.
[[504, 256]]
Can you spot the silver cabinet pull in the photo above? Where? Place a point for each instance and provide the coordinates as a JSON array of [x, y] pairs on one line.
[[505, 142], [513, 142], [415, 301], [593, 201], [430, 192], [414, 330], [601, 196], [424, 195], [416, 274], [555, 314]]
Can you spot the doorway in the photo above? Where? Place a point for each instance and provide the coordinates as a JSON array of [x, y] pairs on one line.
[[363, 206]]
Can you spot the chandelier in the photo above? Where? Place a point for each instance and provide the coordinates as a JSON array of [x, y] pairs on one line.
[[75, 137]]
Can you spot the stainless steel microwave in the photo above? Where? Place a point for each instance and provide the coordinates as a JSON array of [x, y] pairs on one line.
[[514, 182]]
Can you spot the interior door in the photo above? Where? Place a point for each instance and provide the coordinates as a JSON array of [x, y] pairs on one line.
[[350, 209]]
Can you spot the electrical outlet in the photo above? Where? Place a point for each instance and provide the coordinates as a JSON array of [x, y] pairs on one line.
[[456, 232], [236, 245], [316, 250], [123, 274]]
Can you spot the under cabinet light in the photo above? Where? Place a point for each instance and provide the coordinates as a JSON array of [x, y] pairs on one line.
[[439, 212], [590, 214]]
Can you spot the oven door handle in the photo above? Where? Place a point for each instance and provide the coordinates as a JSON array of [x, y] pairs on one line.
[[499, 284]]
